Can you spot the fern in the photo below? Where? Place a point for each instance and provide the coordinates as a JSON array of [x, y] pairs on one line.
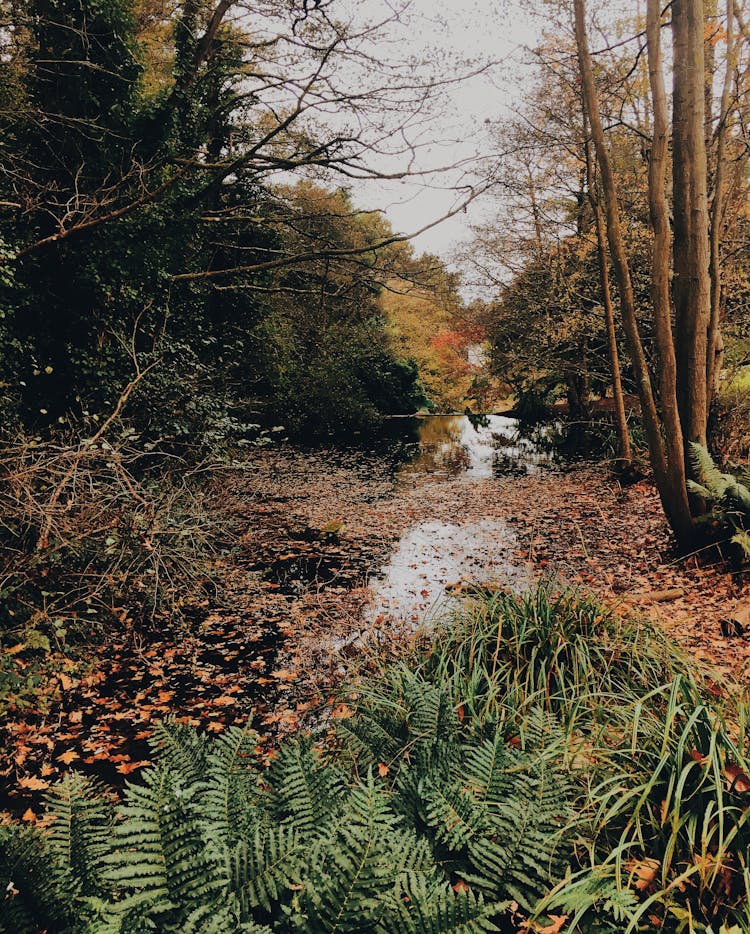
[[79, 836], [230, 787], [438, 909], [31, 900], [355, 866], [179, 749], [305, 790], [712, 483], [263, 871], [160, 857]]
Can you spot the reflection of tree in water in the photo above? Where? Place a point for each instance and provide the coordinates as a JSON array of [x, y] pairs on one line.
[[441, 447]]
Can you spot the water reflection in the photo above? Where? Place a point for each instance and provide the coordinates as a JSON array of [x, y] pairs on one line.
[[433, 559], [496, 446]]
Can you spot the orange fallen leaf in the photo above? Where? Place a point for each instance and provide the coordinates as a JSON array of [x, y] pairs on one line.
[[65, 681], [382, 769], [738, 780], [284, 674], [33, 784], [76, 716], [643, 871], [460, 886], [21, 754], [558, 922], [224, 701], [125, 768], [28, 815], [164, 696], [67, 757], [342, 712]]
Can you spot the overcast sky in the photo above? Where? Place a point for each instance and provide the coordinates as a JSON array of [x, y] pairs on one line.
[[448, 32]]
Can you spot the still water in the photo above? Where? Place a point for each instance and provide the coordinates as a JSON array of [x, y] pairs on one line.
[[435, 560], [492, 446]]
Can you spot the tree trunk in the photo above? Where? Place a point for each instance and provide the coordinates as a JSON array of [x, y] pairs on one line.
[[621, 421], [659, 217], [715, 345], [691, 284], [671, 491]]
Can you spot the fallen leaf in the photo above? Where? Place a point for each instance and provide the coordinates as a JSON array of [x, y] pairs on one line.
[[33, 784], [382, 769], [643, 872], [125, 768], [68, 757], [738, 780], [283, 674], [28, 815]]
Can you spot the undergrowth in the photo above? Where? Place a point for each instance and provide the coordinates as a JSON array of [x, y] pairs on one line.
[[95, 535], [541, 764]]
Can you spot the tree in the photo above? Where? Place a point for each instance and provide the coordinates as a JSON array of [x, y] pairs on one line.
[[678, 414]]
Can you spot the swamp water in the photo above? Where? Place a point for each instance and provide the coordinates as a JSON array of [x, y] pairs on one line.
[[435, 559]]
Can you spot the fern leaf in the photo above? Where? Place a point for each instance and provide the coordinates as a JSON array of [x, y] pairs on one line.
[[262, 872], [354, 868], [304, 790], [79, 835], [160, 857], [438, 909], [180, 749], [708, 474], [229, 787]]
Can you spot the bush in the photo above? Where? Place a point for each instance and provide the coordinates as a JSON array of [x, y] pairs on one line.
[[93, 535]]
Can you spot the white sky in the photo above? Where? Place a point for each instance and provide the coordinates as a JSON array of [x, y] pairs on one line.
[[486, 30]]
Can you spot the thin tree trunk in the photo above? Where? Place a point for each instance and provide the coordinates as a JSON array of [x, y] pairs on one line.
[[659, 217], [714, 344], [691, 285], [621, 420], [672, 493]]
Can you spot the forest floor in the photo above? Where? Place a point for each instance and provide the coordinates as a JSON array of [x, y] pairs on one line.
[[336, 553]]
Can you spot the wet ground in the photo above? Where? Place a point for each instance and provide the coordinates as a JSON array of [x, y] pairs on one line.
[[336, 551]]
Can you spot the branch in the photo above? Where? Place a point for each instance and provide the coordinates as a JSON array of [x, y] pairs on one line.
[[330, 254]]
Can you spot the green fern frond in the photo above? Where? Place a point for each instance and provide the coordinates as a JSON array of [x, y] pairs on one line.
[[437, 909], [179, 748], [263, 871], [708, 474], [160, 857], [355, 867], [453, 814], [743, 540], [230, 787], [31, 901], [220, 919], [79, 835], [737, 496], [304, 789]]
